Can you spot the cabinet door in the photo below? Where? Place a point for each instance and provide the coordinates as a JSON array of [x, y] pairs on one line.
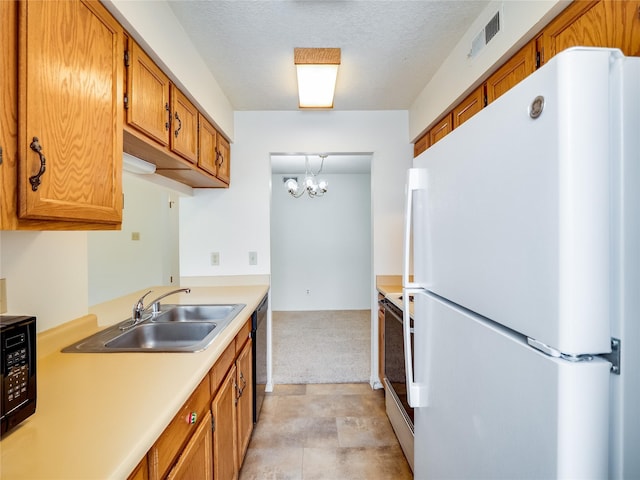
[[245, 399], [516, 69], [170, 444], [141, 472], [184, 126], [225, 432], [195, 460], [421, 144], [70, 79], [223, 159], [207, 146], [148, 108], [468, 107], [604, 23], [440, 129]]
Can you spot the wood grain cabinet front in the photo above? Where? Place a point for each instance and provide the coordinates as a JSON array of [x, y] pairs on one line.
[[171, 443], [225, 429], [164, 127], [62, 120], [195, 462], [184, 126], [213, 150], [147, 102], [244, 393], [516, 69], [603, 23]]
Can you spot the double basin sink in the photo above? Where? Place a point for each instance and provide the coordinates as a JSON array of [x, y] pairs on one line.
[[175, 328]]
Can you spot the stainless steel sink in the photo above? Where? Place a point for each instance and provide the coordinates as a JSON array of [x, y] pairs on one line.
[[175, 328], [161, 336], [196, 313]]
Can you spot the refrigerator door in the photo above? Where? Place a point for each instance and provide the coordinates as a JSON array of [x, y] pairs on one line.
[[500, 409], [512, 213]]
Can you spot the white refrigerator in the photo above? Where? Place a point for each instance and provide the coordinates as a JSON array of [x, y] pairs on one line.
[[522, 232]]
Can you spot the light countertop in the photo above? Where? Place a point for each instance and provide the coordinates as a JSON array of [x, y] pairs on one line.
[[98, 414], [391, 288]]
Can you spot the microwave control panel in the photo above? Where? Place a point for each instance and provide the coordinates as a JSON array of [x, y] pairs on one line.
[[17, 370]]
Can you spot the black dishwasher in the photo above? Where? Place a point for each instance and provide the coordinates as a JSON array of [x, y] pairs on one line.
[[259, 337]]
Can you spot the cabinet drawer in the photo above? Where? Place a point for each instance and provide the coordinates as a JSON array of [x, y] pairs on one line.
[[222, 366], [243, 336], [165, 451]]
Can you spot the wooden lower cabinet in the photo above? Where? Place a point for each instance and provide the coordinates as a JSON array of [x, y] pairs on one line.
[[195, 462], [208, 438], [141, 472], [171, 444], [245, 397], [225, 430]]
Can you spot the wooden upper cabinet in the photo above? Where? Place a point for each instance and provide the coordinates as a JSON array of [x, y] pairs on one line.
[[207, 158], [441, 129], [148, 108], [224, 159], [516, 69], [604, 23], [469, 107], [421, 144], [184, 126], [70, 100]]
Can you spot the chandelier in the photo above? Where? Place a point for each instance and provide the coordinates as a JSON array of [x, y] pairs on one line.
[[311, 185]]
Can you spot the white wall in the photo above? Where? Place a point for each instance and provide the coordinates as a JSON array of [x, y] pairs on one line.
[[237, 220], [46, 275], [119, 265], [459, 74], [322, 246]]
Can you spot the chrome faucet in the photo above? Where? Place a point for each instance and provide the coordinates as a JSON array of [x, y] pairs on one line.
[[139, 309]]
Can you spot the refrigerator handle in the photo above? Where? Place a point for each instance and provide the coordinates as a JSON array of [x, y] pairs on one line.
[[416, 180], [416, 392]]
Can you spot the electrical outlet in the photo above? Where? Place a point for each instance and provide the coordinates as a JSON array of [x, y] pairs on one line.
[[3, 295], [135, 235], [215, 258], [308, 292], [253, 258]]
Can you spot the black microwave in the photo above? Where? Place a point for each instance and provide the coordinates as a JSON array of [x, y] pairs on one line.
[[17, 370]]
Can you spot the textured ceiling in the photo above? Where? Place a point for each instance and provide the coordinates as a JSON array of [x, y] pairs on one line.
[[390, 49]]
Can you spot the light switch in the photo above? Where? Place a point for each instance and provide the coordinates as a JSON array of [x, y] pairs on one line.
[[215, 258], [253, 258]]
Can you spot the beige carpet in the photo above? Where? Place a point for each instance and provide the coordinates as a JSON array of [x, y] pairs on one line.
[[332, 346]]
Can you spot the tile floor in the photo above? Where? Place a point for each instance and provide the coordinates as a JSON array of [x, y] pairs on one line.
[[324, 432]]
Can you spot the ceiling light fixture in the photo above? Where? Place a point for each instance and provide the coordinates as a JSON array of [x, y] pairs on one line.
[[317, 70], [310, 185]]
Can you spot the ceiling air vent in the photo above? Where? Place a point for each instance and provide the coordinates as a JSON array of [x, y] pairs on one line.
[[485, 35]]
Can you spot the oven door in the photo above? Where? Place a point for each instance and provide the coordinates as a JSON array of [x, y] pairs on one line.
[[394, 367]]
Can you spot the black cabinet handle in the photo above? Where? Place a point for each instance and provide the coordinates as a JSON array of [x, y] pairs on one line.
[[35, 179], [179, 124], [166, 109]]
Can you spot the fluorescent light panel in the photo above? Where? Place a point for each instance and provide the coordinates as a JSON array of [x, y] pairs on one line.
[[317, 70]]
